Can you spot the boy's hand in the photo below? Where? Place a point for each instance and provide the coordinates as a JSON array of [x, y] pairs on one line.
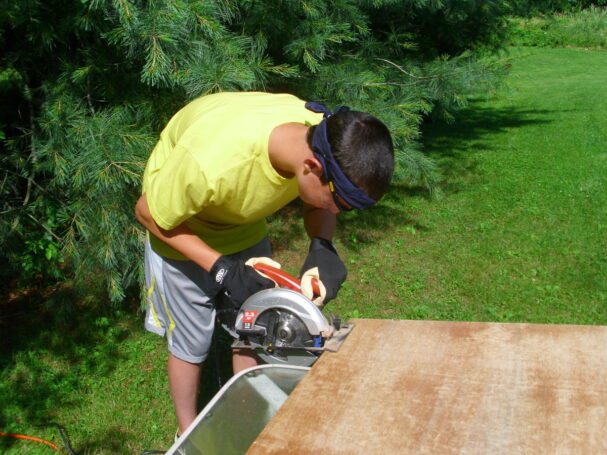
[[324, 264], [239, 280]]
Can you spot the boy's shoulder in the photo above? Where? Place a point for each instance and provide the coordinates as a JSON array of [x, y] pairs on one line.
[[236, 116]]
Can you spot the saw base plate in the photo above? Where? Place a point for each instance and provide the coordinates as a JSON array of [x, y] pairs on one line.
[[300, 356]]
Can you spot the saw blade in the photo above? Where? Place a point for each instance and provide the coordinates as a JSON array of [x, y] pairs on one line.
[[286, 339]]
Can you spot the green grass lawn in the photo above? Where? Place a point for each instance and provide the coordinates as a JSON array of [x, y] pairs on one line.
[[521, 231], [518, 236]]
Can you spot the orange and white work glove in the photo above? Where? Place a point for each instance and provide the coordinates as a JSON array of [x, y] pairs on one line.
[[263, 260], [306, 287], [324, 264]]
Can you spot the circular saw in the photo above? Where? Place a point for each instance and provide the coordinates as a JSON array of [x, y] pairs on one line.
[[285, 327]]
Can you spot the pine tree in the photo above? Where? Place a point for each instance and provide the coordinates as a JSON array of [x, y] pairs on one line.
[[88, 85]]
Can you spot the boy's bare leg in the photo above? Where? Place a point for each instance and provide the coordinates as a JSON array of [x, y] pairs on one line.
[[184, 382], [243, 359]]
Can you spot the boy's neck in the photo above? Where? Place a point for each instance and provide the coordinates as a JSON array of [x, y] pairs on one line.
[[288, 147]]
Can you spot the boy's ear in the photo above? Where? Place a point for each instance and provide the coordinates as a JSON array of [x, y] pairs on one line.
[[313, 166]]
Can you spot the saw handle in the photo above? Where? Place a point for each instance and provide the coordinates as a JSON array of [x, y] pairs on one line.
[[283, 278]]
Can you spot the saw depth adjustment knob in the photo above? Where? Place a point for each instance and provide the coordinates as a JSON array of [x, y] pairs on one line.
[[336, 322]]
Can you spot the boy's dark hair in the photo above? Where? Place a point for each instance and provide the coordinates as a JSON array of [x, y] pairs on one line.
[[362, 146]]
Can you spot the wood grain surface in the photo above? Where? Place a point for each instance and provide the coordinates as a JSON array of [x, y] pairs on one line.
[[428, 387]]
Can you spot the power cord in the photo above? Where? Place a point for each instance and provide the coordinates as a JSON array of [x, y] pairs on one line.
[[29, 438], [44, 441], [66, 443]]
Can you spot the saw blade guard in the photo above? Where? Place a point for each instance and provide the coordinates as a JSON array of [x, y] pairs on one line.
[[286, 299]]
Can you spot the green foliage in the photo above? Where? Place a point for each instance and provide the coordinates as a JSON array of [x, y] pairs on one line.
[[585, 28], [535, 7], [90, 83], [41, 253]]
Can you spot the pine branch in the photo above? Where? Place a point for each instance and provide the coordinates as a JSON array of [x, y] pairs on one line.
[[400, 68], [43, 226]]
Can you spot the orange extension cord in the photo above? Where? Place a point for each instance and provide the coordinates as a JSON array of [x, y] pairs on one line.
[[29, 438]]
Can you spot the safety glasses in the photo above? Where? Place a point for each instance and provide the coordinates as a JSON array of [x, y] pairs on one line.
[[336, 197]]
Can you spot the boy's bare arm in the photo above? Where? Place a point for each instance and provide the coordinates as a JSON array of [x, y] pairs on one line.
[[318, 222], [180, 238]]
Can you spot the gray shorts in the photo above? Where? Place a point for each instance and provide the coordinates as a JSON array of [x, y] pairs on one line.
[[181, 300]]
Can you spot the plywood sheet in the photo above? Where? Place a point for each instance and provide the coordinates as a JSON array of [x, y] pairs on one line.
[[427, 387]]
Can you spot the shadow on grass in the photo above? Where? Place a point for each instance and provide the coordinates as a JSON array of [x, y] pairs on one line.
[[49, 348], [454, 146], [52, 350], [113, 440], [217, 368]]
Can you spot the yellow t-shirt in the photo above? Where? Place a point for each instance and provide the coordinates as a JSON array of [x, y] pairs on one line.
[[211, 169]]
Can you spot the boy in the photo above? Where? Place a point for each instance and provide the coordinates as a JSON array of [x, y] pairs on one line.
[[222, 164]]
